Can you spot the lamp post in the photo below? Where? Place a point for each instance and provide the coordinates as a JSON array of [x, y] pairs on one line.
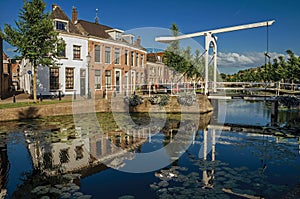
[[88, 60]]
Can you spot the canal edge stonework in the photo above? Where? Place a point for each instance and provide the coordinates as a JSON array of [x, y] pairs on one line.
[[101, 105]]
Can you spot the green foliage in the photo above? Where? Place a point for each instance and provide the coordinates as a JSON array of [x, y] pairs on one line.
[[34, 34], [187, 99], [35, 37], [134, 100], [280, 70], [161, 100], [182, 60]]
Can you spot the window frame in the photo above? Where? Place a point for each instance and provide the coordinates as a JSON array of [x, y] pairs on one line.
[[97, 53], [76, 52], [54, 79], [98, 79], [57, 26], [67, 76], [107, 55], [117, 56]]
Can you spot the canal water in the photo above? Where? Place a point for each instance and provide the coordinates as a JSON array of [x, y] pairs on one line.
[[57, 158]]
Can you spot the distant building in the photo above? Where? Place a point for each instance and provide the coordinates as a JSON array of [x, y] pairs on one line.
[[158, 73], [15, 69]]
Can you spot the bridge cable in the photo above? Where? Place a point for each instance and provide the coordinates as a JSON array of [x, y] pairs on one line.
[[267, 55]]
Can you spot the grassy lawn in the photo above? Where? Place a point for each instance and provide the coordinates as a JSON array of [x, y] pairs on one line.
[[31, 103]]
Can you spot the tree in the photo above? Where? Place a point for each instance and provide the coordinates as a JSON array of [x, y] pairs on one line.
[[182, 60], [35, 37]]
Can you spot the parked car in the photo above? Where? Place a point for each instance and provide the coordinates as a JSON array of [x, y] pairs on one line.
[[163, 89]]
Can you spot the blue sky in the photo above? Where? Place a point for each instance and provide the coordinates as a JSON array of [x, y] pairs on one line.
[[239, 49]]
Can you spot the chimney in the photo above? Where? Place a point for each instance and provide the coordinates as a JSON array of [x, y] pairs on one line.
[[138, 41], [74, 15], [54, 6]]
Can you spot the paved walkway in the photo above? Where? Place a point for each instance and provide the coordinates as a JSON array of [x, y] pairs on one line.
[[23, 97]]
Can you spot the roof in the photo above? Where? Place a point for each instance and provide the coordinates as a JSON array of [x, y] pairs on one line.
[[94, 29], [58, 13]]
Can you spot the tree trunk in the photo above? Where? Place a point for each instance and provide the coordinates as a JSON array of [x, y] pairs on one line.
[[34, 84]]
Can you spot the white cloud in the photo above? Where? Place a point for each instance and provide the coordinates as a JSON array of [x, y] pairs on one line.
[[246, 60], [233, 62]]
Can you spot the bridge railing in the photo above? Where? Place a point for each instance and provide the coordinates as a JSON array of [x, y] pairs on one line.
[[256, 86]]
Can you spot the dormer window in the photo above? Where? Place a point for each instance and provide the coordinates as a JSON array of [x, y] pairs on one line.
[[116, 34], [61, 25]]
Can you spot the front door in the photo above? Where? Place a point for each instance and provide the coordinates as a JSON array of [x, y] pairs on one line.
[[82, 82], [118, 80]]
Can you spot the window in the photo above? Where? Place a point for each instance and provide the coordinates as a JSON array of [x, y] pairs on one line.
[[64, 156], [118, 36], [137, 77], [142, 60], [59, 25], [69, 78], [108, 79], [98, 148], [63, 51], [107, 55], [79, 152], [137, 59], [117, 56], [97, 53], [132, 58], [54, 78], [98, 79], [76, 52], [126, 57], [152, 71]]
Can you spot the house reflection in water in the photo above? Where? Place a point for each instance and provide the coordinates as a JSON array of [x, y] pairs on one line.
[[4, 167], [81, 153]]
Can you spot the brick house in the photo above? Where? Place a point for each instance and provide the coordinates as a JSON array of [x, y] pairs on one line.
[[5, 76], [117, 61]]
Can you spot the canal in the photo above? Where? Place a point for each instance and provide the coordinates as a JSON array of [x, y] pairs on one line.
[[154, 156]]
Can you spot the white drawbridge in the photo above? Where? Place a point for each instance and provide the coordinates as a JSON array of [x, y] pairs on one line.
[[210, 40]]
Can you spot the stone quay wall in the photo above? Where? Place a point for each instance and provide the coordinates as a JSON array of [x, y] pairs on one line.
[[116, 104]]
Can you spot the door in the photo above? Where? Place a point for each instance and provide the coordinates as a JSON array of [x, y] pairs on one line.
[[118, 80], [82, 82]]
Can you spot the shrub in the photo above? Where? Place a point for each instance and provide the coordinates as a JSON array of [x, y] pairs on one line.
[[187, 99], [161, 100], [134, 100]]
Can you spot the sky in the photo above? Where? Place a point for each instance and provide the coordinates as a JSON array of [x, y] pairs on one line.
[[149, 19]]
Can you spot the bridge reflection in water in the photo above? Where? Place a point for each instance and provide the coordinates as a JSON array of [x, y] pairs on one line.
[[62, 150]]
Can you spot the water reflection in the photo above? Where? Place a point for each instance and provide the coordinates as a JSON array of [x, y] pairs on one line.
[[4, 168], [243, 165], [58, 148], [216, 161]]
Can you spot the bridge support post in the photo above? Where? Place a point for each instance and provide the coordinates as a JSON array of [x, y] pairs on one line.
[[210, 41], [274, 112]]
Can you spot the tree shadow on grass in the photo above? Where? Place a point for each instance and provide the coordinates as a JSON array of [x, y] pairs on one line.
[[29, 113]]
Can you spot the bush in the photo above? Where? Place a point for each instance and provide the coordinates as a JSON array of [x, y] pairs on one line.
[[134, 100], [161, 100], [187, 99]]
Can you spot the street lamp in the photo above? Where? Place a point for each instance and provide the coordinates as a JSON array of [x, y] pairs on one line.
[[88, 60]]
